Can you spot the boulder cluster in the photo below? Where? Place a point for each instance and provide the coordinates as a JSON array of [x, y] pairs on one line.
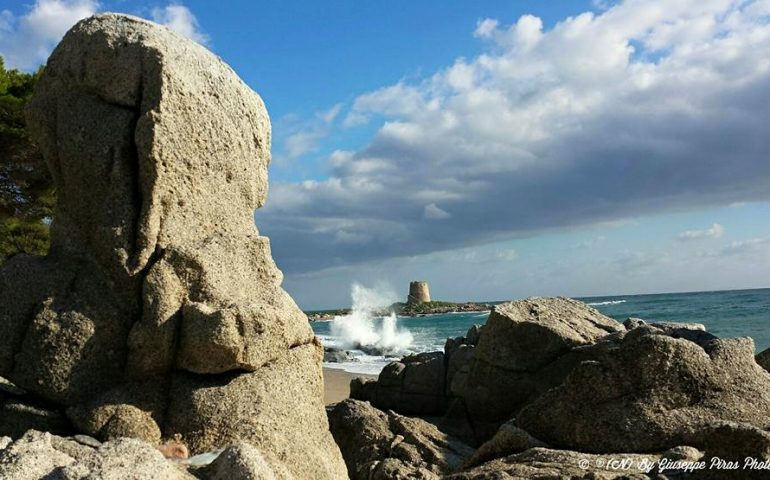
[[549, 383], [159, 312]]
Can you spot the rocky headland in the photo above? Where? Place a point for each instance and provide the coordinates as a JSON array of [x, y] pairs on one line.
[[406, 310]]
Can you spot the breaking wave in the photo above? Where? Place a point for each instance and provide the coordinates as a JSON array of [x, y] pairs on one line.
[[363, 329], [608, 302]]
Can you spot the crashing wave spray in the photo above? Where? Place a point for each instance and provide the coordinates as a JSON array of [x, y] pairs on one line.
[[364, 330]]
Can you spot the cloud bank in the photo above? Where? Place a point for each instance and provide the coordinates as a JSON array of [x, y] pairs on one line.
[[647, 106]]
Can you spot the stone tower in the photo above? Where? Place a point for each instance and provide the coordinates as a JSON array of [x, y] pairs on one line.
[[418, 293]]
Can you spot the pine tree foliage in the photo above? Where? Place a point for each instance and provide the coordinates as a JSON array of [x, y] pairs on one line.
[[27, 196]]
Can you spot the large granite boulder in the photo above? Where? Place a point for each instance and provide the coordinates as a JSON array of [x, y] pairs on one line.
[[383, 446], [527, 347], [159, 310], [643, 391]]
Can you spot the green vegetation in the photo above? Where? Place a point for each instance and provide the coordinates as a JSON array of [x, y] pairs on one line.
[[422, 308], [27, 195]]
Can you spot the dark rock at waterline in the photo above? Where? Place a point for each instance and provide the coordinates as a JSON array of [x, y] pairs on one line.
[[413, 385], [694, 332], [458, 366], [362, 388], [336, 355], [377, 351], [474, 334], [763, 359]]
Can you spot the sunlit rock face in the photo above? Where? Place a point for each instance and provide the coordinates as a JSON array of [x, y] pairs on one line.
[[159, 310]]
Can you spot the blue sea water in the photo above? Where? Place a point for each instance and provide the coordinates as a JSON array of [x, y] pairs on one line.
[[733, 313]]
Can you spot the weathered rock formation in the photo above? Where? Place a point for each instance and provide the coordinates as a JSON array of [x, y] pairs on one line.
[[525, 349], [159, 310], [418, 293], [650, 390], [385, 446], [38, 455], [550, 382]]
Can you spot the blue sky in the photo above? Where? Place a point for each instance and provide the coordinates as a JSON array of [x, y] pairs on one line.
[[497, 149]]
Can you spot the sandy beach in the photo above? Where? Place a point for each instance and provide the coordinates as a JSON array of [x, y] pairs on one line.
[[337, 384]]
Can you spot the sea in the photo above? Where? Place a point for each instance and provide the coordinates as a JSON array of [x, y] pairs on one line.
[[373, 341]]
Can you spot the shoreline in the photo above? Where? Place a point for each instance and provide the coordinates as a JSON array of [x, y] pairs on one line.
[[337, 384]]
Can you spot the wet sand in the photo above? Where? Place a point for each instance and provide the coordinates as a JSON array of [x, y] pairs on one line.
[[337, 384]]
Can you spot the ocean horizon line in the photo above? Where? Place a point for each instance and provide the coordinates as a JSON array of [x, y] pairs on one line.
[[576, 297]]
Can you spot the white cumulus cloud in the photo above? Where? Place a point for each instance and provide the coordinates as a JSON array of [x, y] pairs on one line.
[[715, 231], [179, 18], [646, 106], [26, 41], [27, 38]]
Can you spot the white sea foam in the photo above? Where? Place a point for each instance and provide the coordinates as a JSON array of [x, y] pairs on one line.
[[362, 330], [608, 302]]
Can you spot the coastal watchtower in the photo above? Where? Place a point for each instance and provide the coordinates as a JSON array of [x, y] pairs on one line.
[[418, 293]]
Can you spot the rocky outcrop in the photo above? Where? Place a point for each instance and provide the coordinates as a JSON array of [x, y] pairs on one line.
[[508, 440], [383, 446], [159, 310], [39, 455], [577, 390], [414, 385], [337, 355], [543, 463], [526, 348], [763, 359], [644, 390], [244, 461], [419, 384]]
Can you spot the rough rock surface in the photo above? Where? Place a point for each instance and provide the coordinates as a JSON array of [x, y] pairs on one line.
[[526, 348], [644, 390], [159, 293], [38, 455], [414, 385], [560, 376], [379, 445], [543, 463], [245, 461], [508, 440]]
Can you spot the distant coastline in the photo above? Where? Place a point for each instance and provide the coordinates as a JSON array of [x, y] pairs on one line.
[[406, 310]]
